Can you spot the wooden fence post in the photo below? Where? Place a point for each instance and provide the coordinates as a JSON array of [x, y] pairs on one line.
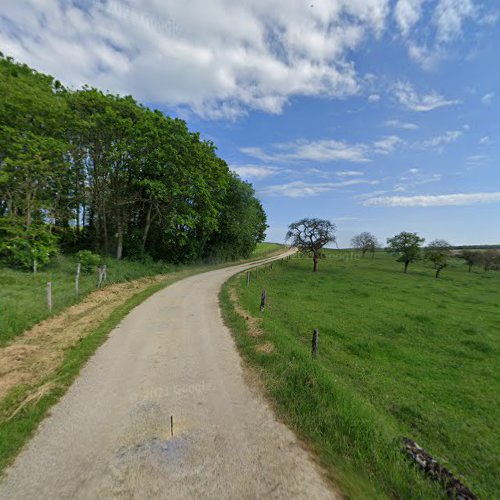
[[102, 275], [263, 299], [249, 274], [34, 267], [315, 343], [49, 296], [77, 279]]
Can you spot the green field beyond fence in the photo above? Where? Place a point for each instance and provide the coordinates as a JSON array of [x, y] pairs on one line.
[[399, 355]]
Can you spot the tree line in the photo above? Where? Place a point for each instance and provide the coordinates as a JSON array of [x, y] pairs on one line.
[[311, 235], [84, 169]]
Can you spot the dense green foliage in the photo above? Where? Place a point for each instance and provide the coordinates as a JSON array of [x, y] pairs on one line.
[[102, 172], [399, 355], [406, 246]]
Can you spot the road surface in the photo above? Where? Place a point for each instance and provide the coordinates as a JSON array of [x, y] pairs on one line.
[[110, 435]]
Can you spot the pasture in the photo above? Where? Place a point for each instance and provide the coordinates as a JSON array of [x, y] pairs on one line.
[[399, 355]]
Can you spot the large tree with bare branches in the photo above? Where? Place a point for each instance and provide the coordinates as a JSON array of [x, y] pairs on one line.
[[310, 236]]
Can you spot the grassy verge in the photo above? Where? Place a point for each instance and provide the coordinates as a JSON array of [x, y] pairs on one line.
[[23, 295], [399, 356], [16, 429]]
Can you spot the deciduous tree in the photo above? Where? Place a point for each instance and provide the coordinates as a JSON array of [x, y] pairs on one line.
[[406, 246], [366, 242], [310, 236], [438, 253]]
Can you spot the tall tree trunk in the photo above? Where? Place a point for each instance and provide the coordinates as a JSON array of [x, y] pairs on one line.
[[437, 273], [119, 245], [470, 268], [147, 226], [105, 229], [315, 261], [406, 266]]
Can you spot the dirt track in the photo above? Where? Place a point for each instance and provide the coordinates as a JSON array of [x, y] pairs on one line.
[[109, 437]]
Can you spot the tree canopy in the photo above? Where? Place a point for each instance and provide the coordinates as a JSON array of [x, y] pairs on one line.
[[85, 169], [310, 236], [406, 246]]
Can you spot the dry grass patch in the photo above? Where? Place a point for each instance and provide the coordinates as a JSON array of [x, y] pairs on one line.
[[37, 353]]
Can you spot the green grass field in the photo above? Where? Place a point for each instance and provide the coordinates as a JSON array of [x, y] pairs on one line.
[[23, 300], [399, 355]]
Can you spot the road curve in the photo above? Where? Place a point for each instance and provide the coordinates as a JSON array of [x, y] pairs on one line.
[[110, 435]]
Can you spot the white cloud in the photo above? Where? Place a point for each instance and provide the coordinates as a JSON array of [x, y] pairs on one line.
[[429, 28], [449, 17], [433, 200], [373, 98], [485, 141], [413, 171], [407, 13], [427, 58], [476, 160], [401, 125], [488, 98], [407, 96], [349, 173], [441, 140], [254, 171], [300, 189], [305, 150], [387, 144], [218, 58]]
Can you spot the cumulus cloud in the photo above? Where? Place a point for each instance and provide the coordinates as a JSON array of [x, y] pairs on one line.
[[410, 99], [300, 189], [485, 141], [218, 58], [433, 200]]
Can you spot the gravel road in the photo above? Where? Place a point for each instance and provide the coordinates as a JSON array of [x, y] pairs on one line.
[[110, 435]]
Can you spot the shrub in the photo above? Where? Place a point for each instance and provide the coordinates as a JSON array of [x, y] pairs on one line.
[[21, 246], [88, 260]]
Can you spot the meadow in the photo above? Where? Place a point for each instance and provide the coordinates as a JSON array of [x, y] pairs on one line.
[[399, 355]]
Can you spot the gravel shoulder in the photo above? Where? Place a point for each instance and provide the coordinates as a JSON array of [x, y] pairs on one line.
[[110, 435]]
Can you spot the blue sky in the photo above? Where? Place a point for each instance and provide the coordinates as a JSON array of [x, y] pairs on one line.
[[379, 115]]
